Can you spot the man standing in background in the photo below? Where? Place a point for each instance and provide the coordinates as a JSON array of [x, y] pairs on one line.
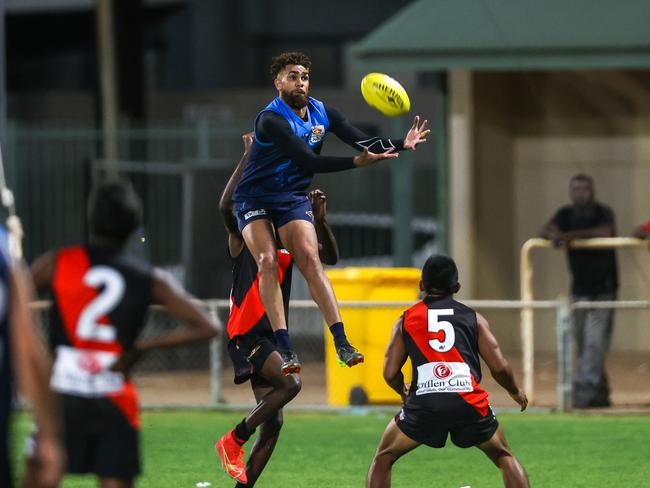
[[594, 278]]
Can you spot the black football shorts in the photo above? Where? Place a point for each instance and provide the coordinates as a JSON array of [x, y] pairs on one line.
[[425, 427], [99, 439], [249, 352]]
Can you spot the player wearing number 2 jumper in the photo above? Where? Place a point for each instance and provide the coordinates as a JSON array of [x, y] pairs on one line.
[[101, 299], [443, 339]]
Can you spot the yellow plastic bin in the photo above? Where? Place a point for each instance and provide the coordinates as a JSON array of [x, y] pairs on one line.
[[368, 329]]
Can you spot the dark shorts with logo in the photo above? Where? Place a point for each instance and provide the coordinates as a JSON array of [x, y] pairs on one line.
[[99, 439], [278, 213], [248, 353], [425, 427]]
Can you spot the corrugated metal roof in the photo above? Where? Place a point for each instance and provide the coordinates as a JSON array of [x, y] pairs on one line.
[[507, 34], [40, 6]]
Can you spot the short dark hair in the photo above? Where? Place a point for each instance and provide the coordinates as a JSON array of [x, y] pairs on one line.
[[439, 275], [278, 63], [582, 177], [114, 210]]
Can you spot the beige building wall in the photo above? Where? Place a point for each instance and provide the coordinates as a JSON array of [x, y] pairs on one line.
[[533, 132]]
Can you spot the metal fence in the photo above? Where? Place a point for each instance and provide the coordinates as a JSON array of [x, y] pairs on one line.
[[50, 170], [199, 374]]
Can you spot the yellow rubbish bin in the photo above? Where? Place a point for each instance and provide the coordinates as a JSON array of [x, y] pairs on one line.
[[368, 329]]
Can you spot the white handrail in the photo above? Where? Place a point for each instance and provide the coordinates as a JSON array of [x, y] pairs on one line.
[[563, 315], [526, 289]]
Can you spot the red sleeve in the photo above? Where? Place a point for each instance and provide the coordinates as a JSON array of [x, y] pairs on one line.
[[646, 226]]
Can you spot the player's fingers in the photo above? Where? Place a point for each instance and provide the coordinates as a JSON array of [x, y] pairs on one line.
[[424, 125], [425, 133], [416, 120]]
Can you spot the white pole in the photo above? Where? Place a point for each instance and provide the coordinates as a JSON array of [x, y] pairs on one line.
[[526, 290]]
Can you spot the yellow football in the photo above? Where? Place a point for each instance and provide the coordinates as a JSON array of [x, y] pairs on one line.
[[385, 94]]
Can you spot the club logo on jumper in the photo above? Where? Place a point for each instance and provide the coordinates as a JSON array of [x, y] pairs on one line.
[[442, 371], [88, 362], [85, 372], [440, 377], [316, 135], [254, 213], [310, 214]]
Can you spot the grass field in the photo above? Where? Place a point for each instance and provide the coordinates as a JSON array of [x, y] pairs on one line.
[[323, 450]]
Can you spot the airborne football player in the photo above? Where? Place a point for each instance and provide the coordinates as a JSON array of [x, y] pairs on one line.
[[252, 345], [271, 196]]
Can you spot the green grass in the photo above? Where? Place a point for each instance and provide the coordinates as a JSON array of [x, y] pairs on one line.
[[318, 450]]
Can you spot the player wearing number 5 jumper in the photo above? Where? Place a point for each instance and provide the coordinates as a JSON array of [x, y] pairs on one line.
[[101, 299], [443, 339]]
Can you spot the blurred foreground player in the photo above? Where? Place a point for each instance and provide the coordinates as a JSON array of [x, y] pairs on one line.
[[23, 360], [253, 348], [101, 299], [443, 339]]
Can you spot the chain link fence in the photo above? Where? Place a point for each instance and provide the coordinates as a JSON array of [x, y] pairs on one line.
[[201, 374]]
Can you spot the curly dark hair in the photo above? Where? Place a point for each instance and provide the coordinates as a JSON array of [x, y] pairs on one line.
[[440, 275], [279, 62]]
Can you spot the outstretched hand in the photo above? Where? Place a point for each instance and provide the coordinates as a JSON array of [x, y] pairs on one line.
[[367, 158], [126, 362], [248, 140], [521, 398], [45, 466], [318, 202], [417, 134]]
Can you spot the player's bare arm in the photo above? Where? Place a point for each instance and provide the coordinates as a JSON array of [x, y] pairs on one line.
[[182, 306], [605, 230], [235, 240], [179, 305], [42, 270], [499, 367], [552, 232], [328, 249], [394, 359], [32, 365]]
